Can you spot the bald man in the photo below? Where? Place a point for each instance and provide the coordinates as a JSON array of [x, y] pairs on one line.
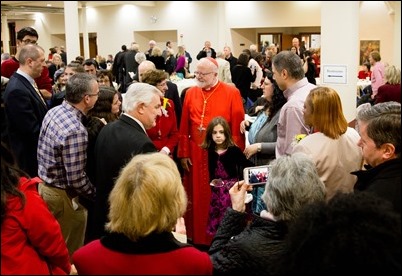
[[299, 49]]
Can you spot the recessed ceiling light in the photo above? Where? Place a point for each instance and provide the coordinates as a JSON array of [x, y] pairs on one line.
[[49, 5]]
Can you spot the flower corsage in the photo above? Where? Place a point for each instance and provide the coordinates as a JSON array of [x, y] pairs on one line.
[[298, 138], [164, 105]]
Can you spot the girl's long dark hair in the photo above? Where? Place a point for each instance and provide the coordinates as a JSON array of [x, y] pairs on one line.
[[10, 176], [209, 143]]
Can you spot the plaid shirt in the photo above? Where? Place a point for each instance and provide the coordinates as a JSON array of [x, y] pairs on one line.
[[62, 150]]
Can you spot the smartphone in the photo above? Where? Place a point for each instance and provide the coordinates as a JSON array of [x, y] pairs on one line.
[[256, 175]]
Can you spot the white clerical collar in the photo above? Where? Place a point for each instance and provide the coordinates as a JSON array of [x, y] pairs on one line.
[[216, 82]]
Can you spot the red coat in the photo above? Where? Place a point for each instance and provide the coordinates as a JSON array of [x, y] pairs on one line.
[[31, 238], [165, 133], [363, 75], [156, 254], [222, 100]]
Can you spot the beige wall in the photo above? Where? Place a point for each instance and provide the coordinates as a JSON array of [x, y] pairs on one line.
[[220, 22], [232, 23], [377, 24]]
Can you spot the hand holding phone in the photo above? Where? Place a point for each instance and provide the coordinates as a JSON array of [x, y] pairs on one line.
[[239, 196], [256, 175], [248, 199]]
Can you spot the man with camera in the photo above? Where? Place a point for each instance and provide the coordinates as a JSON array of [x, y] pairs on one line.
[[207, 51]]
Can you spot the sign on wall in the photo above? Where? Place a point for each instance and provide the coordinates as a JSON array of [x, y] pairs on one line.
[[334, 74]]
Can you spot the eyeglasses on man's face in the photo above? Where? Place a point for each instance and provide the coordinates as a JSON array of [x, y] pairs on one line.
[[93, 95], [28, 41], [202, 74]]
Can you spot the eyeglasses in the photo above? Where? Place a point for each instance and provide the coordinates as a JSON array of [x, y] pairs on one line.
[[202, 74], [93, 95], [162, 84], [28, 41], [217, 182]]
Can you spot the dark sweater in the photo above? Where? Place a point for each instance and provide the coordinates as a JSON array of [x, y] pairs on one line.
[[383, 180], [238, 249]]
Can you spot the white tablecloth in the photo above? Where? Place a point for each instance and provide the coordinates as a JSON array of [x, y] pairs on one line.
[[363, 83], [184, 83]]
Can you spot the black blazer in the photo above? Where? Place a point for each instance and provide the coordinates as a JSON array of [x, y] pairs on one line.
[[203, 54], [25, 111], [234, 161], [116, 144], [173, 94]]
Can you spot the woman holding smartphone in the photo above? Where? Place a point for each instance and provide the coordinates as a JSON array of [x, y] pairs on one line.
[[250, 246], [262, 133]]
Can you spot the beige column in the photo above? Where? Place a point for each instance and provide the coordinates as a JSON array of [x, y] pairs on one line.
[[72, 29], [396, 12], [5, 34], [84, 29], [340, 49]]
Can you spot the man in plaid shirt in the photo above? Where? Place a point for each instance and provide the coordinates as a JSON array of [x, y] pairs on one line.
[[62, 156]]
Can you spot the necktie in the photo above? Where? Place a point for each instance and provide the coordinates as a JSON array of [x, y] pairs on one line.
[[39, 94]]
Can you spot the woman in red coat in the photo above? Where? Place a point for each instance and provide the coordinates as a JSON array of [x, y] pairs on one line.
[[31, 238], [146, 203], [165, 134]]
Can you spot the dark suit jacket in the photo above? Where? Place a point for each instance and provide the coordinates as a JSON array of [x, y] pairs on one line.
[[64, 57], [383, 180], [116, 144], [203, 54], [129, 65], [24, 115], [173, 94]]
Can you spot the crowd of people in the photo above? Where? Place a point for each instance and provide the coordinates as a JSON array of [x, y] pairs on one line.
[[104, 166]]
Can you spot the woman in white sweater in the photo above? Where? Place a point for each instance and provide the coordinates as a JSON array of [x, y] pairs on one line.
[[331, 143]]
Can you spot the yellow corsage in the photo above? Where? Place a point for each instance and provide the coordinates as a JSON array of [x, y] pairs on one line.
[[298, 138], [164, 105]]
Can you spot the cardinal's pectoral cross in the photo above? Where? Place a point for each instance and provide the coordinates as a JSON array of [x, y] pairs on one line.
[[201, 128]]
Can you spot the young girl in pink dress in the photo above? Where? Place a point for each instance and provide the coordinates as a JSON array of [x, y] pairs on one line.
[[226, 162]]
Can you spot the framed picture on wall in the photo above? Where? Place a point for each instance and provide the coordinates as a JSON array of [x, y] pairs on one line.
[[367, 46]]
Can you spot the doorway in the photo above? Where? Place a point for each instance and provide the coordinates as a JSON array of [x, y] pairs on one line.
[[269, 38], [311, 40], [92, 43]]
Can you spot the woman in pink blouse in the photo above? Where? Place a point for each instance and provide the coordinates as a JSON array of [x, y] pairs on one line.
[[377, 72]]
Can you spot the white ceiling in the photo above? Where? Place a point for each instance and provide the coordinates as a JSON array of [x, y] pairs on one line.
[[57, 4], [16, 9], [60, 4]]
